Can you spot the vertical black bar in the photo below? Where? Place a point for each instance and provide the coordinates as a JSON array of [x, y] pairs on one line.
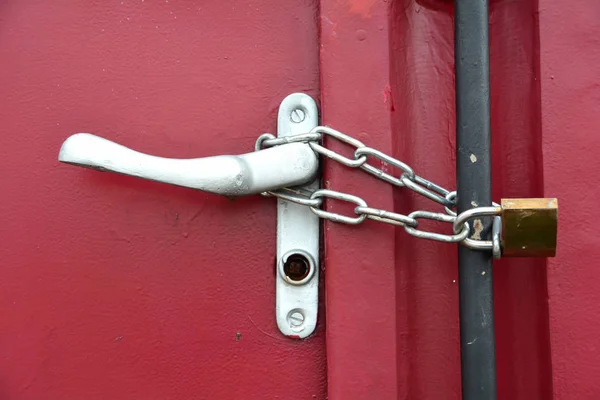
[[473, 159]]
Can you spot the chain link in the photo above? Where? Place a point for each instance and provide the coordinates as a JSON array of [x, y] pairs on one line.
[[297, 196], [387, 217], [473, 213], [457, 237], [408, 179], [379, 173], [324, 193], [342, 137]]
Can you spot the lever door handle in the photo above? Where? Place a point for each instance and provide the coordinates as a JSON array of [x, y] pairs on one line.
[[290, 163], [229, 175]]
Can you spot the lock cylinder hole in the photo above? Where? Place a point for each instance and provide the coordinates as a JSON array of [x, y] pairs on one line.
[[296, 267]]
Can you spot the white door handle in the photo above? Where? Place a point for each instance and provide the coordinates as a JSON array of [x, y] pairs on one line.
[[260, 171], [288, 164]]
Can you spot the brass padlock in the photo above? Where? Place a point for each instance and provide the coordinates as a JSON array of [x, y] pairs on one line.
[[529, 227]]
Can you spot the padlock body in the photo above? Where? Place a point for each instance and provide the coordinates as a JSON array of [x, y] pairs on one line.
[[529, 227]]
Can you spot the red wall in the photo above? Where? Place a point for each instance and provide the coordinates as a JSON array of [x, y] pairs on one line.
[[87, 260], [423, 86], [570, 109], [404, 92], [116, 288]]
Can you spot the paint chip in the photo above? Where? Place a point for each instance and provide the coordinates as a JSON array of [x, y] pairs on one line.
[[473, 158], [361, 7], [477, 228]]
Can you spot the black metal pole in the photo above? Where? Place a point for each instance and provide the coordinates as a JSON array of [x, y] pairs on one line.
[[474, 188]]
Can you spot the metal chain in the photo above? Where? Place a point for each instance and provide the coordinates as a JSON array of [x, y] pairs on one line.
[[408, 179]]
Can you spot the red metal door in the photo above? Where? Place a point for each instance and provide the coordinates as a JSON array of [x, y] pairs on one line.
[[113, 287], [118, 288], [400, 337]]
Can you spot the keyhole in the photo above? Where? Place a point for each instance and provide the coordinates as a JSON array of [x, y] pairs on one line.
[[296, 267]]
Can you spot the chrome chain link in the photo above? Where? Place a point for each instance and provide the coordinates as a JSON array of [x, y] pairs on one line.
[[408, 179]]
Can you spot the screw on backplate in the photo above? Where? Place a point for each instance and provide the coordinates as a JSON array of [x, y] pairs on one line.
[[298, 115], [295, 319]]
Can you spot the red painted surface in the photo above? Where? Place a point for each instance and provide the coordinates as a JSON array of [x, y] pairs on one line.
[[359, 261], [117, 288], [405, 93], [570, 118]]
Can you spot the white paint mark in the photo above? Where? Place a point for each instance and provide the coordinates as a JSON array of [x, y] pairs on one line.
[[472, 341], [473, 158], [474, 204], [477, 229], [482, 272]]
